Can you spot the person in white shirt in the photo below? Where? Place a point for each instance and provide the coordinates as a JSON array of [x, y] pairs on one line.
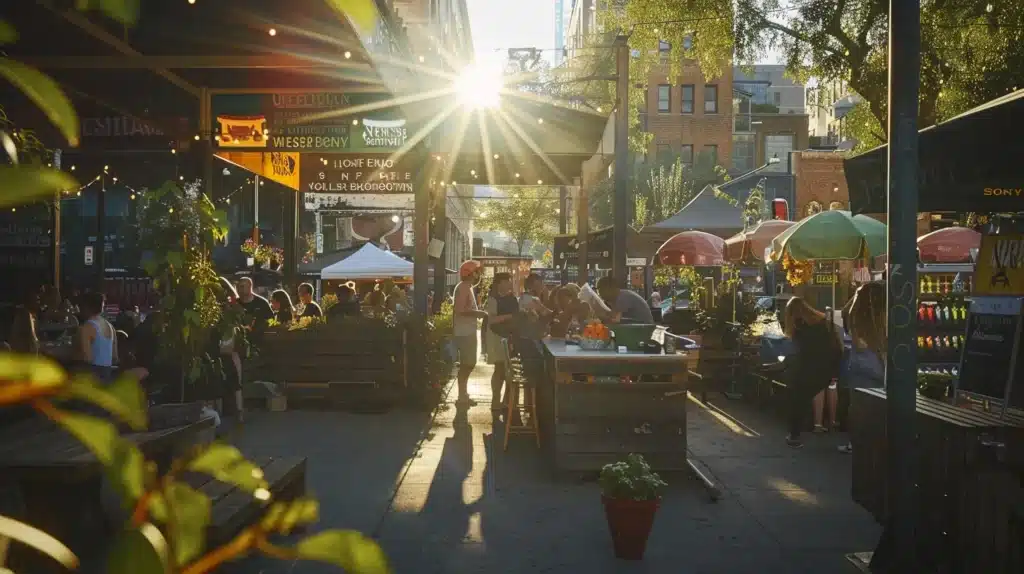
[[465, 326]]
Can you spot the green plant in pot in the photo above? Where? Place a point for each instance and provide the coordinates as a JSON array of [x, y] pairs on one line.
[[630, 494]]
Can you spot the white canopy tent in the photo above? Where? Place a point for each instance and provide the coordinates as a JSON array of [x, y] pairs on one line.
[[370, 262]]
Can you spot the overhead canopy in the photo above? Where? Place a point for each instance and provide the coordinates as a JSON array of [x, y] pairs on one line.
[[370, 262], [705, 212], [600, 247], [968, 163]]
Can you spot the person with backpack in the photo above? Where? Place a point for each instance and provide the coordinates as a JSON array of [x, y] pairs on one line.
[[816, 363], [502, 307]]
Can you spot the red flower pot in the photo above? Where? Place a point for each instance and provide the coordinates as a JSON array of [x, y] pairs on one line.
[[630, 522]]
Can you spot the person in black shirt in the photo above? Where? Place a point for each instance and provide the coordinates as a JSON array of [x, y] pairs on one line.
[[348, 304], [257, 309], [816, 362], [284, 312], [311, 308]]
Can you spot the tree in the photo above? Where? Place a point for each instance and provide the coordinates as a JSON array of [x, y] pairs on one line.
[[971, 49], [657, 190], [755, 209], [526, 214]]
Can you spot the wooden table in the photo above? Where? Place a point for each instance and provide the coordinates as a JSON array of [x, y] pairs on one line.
[[586, 425], [59, 483]]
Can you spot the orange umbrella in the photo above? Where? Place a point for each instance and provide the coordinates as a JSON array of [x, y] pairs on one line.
[[751, 244], [948, 245], [692, 248]]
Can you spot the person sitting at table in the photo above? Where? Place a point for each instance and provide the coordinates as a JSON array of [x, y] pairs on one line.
[[281, 304], [502, 309], [532, 327], [55, 317], [347, 305], [570, 311], [97, 338], [626, 306], [23, 337], [814, 365], [865, 322]]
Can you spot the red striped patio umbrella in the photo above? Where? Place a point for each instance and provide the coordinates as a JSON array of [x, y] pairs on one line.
[[750, 245], [692, 248]]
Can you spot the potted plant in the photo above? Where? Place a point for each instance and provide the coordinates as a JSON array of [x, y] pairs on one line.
[[629, 492]]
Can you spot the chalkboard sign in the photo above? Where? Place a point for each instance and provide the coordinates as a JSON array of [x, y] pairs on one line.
[[993, 330]]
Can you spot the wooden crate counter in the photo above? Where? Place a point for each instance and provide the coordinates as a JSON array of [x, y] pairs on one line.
[[956, 499], [586, 425]]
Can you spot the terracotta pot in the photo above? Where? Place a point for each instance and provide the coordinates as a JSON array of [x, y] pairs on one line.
[[630, 523]]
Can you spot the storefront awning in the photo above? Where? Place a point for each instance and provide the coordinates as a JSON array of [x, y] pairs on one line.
[[968, 163]]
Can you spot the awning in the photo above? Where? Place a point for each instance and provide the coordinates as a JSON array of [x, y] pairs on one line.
[[370, 262], [968, 163], [705, 212]]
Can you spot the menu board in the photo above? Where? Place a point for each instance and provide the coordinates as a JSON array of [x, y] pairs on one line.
[[993, 331]]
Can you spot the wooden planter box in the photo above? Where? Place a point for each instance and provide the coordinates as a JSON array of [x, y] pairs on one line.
[[326, 360], [955, 495]]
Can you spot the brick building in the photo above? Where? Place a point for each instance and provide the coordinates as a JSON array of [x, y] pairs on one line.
[[689, 115]]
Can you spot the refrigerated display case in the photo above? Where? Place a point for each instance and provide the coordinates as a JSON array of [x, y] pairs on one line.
[[943, 292]]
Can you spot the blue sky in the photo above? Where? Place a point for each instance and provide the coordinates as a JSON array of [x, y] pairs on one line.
[[501, 24]]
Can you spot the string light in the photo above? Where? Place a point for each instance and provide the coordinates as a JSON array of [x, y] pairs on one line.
[[348, 55], [272, 32]]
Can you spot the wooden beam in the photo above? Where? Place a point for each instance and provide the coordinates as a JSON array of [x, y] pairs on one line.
[[83, 23], [140, 62]]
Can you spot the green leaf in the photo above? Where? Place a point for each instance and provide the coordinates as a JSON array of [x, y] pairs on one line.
[[125, 463], [191, 515], [192, 317], [124, 11], [226, 464], [124, 399], [35, 538], [350, 550], [175, 258], [22, 185], [8, 35], [37, 371], [142, 551], [283, 517], [46, 94]]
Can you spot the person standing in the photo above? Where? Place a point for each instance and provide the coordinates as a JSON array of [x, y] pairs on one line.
[[310, 308], [465, 326], [257, 309], [626, 306], [501, 308], [97, 339], [815, 364]]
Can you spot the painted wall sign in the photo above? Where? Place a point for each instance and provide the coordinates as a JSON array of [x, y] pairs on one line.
[[314, 121], [349, 181], [1000, 266]]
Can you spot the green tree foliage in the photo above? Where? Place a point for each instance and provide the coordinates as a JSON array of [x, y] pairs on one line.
[[525, 214], [971, 50], [657, 190], [755, 208]]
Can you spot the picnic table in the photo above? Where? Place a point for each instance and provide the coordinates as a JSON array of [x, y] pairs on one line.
[[57, 484], [590, 416]]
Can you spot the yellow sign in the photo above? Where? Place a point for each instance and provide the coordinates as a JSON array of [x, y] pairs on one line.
[[1000, 266], [824, 278], [242, 131], [282, 167], [1003, 191]]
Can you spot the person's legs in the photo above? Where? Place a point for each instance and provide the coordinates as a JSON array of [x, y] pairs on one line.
[[467, 361], [497, 382], [832, 396]]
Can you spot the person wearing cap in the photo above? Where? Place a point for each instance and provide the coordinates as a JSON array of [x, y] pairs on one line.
[[465, 326]]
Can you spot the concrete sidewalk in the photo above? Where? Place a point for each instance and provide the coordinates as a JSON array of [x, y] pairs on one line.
[[459, 504]]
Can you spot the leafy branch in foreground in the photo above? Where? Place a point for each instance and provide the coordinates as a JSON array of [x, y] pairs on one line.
[[166, 531]]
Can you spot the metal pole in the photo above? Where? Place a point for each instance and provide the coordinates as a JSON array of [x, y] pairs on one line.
[[563, 225], [439, 230], [621, 202], [101, 234], [256, 210], [901, 361], [421, 235]]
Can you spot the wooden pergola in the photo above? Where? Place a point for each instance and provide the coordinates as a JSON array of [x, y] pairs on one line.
[[179, 56]]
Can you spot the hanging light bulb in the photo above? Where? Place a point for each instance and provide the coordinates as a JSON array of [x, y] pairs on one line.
[[272, 32], [348, 55]]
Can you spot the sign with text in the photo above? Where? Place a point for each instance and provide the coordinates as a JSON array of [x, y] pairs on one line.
[[993, 331], [130, 132], [370, 180], [314, 121], [1000, 266]]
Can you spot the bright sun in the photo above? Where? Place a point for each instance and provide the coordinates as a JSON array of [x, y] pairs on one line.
[[479, 85]]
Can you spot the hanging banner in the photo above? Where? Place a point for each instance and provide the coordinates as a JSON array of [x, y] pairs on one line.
[[307, 122], [282, 167], [1000, 266], [366, 180]]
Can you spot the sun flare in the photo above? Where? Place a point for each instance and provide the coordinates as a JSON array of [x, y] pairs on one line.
[[479, 85]]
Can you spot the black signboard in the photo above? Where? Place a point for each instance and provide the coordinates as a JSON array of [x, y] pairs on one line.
[[993, 330], [363, 173]]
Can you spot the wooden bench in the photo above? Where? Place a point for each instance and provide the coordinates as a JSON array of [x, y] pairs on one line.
[[232, 510]]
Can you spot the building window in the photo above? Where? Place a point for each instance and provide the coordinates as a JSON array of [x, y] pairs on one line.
[[742, 152], [778, 98], [664, 153], [664, 47], [711, 151], [687, 42], [664, 98], [741, 113], [687, 90], [686, 154], [710, 99]]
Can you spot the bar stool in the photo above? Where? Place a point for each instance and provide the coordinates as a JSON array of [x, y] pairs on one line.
[[514, 378]]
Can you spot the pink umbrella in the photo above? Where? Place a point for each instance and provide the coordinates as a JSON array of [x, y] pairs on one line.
[[750, 244], [692, 248], [948, 245]]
